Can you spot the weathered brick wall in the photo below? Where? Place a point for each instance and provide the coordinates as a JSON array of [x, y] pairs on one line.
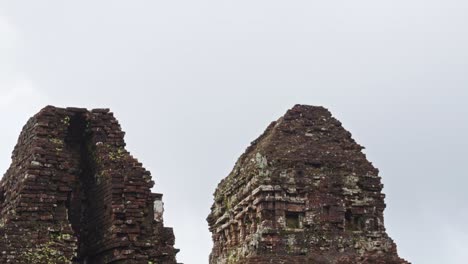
[[74, 194], [303, 192]]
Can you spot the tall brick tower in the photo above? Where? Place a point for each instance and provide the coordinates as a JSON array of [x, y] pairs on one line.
[[73, 194], [303, 192]]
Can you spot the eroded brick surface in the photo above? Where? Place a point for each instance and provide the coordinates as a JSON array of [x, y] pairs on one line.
[[74, 194], [303, 192]]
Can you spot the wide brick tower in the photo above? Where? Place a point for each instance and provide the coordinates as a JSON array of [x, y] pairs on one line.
[[303, 192], [73, 194]]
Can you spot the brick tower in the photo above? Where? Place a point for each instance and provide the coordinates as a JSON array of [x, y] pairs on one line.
[[73, 194], [303, 192]]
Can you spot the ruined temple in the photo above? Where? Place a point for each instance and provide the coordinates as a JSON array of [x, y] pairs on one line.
[[303, 192], [74, 194]]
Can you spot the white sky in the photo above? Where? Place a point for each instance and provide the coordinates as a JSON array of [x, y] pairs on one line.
[[194, 82]]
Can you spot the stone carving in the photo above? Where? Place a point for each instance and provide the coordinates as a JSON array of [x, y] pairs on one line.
[[303, 192], [73, 194]]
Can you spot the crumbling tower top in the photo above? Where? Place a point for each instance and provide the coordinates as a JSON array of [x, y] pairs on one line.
[[303, 192], [74, 194]]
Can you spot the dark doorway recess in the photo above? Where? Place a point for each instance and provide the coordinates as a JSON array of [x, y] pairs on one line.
[[83, 209], [353, 222], [293, 220]]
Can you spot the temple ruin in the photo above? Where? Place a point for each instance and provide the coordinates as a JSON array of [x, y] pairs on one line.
[[303, 192], [74, 194]]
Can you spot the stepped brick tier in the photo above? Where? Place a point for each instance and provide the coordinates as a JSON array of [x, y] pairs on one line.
[[303, 192], [73, 194]]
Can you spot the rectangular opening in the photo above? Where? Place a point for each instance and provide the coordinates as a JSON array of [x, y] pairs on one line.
[[326, 210], [293, 220], [353, 222]]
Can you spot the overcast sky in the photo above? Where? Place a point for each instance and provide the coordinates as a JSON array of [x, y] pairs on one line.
[[194, 82]]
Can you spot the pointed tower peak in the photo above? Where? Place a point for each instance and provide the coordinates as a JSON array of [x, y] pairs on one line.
[[303, 192]]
